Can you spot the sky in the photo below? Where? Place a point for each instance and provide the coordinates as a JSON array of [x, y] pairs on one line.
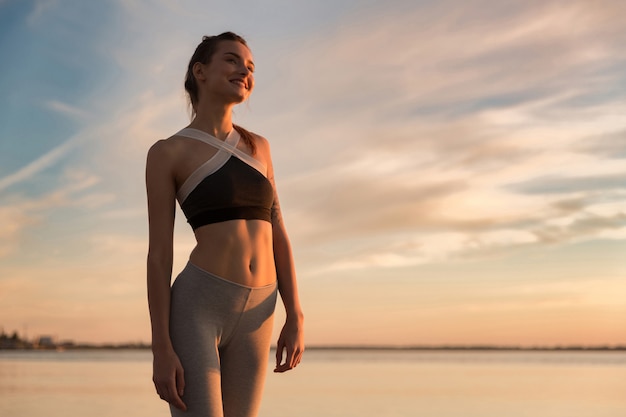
[[450, 172]]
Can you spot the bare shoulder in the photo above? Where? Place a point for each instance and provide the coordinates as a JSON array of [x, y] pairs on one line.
[[165, 151], [263, 152], [260, 140], [263, 145]]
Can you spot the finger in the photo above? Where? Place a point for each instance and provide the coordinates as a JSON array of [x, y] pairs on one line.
[[167, 392], [289, 363], [279, 354], [280, 365], [297, 355], [180, 381], [290, 357], [178, 403], [282, 368], [175, 400]]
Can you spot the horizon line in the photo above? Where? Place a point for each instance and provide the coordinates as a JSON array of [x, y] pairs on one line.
[[330, 347]]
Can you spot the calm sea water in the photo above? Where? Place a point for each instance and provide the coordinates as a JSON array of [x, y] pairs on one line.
[[335, 383]]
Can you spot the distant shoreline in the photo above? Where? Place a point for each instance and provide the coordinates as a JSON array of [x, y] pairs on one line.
[[15, 342], [461, 348], [471, 348]]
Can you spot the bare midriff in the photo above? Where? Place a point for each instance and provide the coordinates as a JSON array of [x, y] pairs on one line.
[[237, 250]]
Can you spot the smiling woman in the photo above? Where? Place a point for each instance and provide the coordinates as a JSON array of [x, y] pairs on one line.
[[211, 329]]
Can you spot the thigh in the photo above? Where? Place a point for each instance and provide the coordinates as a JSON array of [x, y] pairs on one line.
[[194, 331], [202, 393], [244, 360]]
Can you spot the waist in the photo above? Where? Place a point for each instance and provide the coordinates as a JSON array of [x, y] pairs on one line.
[[240, 251], [214, 277]]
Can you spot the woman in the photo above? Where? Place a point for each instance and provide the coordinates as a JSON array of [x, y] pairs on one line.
[[211, 330]]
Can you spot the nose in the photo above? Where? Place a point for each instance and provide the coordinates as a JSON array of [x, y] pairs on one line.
[[243, 70]]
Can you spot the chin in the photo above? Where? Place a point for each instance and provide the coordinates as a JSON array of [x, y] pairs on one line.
[[239, 98]]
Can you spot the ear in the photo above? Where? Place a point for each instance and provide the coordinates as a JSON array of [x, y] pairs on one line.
[[198, 71]]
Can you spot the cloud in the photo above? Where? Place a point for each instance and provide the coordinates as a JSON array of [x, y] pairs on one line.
[[41, 163], [436, 59], [402, 129], [582, 226], [403, 134], [564, 185], [461, 125], [66, 109], [610, 145], [343, 205], [22, 214]]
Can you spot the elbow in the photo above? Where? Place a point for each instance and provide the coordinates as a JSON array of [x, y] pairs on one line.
[[159, 261]]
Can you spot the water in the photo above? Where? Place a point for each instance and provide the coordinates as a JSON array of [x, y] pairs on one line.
[[335, 383]]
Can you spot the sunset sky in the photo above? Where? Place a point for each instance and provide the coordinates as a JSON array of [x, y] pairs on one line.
[[451, 172]]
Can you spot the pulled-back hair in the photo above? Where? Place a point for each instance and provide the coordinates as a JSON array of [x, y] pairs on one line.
[[203, 54]]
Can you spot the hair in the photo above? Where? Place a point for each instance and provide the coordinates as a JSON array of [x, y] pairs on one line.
[[203, 54]]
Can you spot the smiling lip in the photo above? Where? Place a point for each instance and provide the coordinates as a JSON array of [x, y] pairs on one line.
[[240, 81]]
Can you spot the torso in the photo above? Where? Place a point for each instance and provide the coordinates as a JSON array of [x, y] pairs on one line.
[[237, 250]]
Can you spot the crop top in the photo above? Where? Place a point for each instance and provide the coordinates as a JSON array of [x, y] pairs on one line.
[[230, 185]]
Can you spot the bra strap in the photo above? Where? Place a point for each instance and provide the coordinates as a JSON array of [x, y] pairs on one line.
[[229, 145]]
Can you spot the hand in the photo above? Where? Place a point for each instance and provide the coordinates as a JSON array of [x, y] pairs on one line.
[[291, 341], [168, 377]]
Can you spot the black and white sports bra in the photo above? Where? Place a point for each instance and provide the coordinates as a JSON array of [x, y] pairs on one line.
[[230, 185]]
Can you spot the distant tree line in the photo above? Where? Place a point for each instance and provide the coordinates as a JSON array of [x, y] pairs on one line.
[[14, 341]]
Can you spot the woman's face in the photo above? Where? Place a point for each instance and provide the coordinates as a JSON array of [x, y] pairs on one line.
[[229, 75]]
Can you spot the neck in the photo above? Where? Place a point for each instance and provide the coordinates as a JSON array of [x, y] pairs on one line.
[[216, 120]]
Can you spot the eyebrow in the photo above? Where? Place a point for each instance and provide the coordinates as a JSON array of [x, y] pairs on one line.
[[239, 57]]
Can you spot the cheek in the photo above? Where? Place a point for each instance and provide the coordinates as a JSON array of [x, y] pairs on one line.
[[251, 82]]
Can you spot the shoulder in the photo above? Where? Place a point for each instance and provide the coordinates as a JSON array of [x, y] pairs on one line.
[[165, 150], [261, 143], [249, 136], [263, 151]]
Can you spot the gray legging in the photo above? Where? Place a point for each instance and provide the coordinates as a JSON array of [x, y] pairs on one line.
[[221, 332]]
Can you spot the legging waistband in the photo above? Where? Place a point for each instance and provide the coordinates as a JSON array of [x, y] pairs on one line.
[[210, 275]]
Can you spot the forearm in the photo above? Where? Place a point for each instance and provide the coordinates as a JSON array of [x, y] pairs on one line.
[[286, 275], [290, 345], [159, 272]]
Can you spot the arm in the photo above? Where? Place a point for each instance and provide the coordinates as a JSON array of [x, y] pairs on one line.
[[291, 338], [161, 192]]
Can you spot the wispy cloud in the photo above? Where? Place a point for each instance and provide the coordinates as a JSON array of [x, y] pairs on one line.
[[564, 185], [608, 145], [466, 104], [414, 136], [405, 136], [21, 213], [41, 163], [68, 110]]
